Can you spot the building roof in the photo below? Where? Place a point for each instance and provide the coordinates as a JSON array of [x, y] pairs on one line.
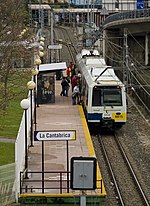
[[39, 6]]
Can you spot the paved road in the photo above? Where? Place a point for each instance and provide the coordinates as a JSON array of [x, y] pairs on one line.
[[8, 139]]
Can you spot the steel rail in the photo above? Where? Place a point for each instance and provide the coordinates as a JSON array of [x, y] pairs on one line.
[[132, 172], [70, 45], [111, 171]]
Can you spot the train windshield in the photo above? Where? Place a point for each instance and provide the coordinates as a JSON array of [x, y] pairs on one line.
[[107, 96]]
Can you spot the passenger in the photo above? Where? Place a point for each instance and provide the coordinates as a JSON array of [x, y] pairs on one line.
[[65, 87], [74, 81], [68, 71], [79, 86], [76, 70], [75, 95], [73, 71]]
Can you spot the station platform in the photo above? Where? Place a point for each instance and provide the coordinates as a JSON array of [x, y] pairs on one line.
[[59, 116]]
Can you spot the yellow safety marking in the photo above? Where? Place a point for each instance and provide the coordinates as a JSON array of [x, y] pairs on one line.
[[91, 148], [122, 116], [47, 195]]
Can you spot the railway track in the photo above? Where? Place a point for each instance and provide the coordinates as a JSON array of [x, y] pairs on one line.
[[65, 37], [67, 40], [123, 177]]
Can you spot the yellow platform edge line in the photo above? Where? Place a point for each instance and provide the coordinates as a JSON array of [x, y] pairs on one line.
[[91, 148], [65, 195]]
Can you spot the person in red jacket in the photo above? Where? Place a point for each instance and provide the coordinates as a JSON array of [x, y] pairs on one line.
[[68, 71], [74, 82]]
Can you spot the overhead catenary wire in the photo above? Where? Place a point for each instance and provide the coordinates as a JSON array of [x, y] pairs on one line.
[[135, 40]]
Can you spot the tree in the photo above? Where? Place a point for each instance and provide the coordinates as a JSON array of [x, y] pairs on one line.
[[13, 20]]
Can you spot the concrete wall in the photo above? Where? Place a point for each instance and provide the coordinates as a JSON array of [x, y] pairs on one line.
[[114, 48]]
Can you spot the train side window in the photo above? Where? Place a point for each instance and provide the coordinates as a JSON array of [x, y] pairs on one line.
[[96, 98]]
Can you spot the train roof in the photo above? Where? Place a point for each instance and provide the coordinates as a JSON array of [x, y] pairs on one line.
[[105, 75], [95, 70], [92, 57]]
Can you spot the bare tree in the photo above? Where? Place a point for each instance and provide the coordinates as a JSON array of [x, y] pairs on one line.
[[13, 20]]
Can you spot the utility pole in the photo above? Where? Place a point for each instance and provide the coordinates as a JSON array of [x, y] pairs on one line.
[[88, 15], [125, 60], [52, 37], [41, 16], [30, 14]]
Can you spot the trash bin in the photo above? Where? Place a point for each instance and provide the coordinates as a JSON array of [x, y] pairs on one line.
[[46, 88]]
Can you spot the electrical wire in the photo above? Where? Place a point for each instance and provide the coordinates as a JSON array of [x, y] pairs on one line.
[[135, 40]]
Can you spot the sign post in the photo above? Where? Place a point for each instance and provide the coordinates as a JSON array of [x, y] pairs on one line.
[[55, 135], [57, 48], [83, 175]]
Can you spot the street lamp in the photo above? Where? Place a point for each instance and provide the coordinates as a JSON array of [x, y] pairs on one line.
[[31, 86], [42, 38], [41, 55], [37, 62], [42, 43], [25, 103], [35, 73], [41, 48]]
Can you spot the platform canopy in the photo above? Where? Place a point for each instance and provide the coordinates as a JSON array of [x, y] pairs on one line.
[[52, 67]]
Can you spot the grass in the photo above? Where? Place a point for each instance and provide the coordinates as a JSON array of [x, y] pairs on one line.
[[5, 149], [10, 119]]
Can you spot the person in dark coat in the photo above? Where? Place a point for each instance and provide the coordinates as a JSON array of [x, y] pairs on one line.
[[65, 87]]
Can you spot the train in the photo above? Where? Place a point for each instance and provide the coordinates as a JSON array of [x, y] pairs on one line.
[[103, 94]]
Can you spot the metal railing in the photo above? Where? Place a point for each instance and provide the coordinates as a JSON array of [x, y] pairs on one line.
[[54, 182], [143, 13]]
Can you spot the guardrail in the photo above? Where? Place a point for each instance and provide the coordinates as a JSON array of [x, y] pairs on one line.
[[54, 182], [143, 13]]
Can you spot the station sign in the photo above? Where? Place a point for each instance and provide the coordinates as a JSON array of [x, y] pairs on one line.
[[54, 135], [140, 4], [55, 46]]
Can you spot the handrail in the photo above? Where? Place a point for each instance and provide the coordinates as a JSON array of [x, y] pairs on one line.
[[50, 183]]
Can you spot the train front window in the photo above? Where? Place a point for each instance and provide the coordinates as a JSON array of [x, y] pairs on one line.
[[111, 96], [107, 96]]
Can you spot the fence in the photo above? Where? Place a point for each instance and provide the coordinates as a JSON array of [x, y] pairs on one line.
[[56, 182], [7, 178], [20, 148]]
